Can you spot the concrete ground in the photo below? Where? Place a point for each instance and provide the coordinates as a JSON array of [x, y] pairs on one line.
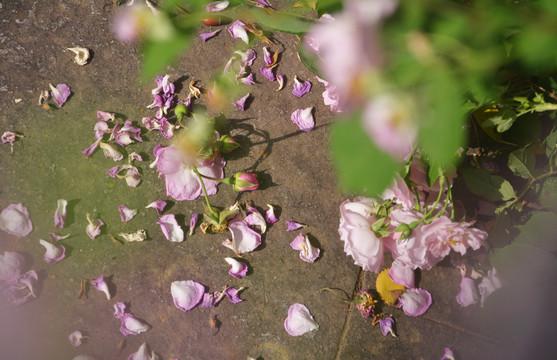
[[297, 177]]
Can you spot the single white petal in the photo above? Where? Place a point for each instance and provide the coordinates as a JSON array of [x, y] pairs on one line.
[[170, 228], [186, 294], [14, 220], [299, 320]]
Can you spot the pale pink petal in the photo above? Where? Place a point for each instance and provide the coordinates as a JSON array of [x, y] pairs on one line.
[[489, 284], [87, 152], [300, 88], [53, 253], [14, 220], [111, 152], [170, 228], [299, 320], [232, 294], [132, 176], [244, 239], [247, 58], [238, 269], [308, 253], [292, 225], [303, 118], [55, 237], [100, 129], [60, 93], [143, 352], [238, 31], [119, 310], [186, 294], [254, 218], [101, 285], [415, 302], [132, 326], [468, 294], [93, 230], [105, 115], [270, 215], [448, 354], [402, 274], [158, 205], [248, 80], [241, 103], [126, 214], [217, 6], [207, 36], [76, 338], [60, 213], [267, 72], [115, 170]]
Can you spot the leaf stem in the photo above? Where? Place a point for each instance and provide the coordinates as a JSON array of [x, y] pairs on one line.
[[213, 213]]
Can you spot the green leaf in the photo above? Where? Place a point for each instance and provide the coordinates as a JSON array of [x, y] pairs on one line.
[[288, 22], [551, 142], [522, 163], [540, 230], [159, 54], [503, 121], [482, 183], [310, 59], [433, 173], [360, 165], [548, 194]]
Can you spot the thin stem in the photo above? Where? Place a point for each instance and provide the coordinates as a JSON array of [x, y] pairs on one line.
[[204, 192]]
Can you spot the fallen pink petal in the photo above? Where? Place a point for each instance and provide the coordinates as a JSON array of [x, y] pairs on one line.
[[292, 225], [55, 237], [217, 6], [299, 320], [60, 93], [415, 302], [143, 354], [126, 214], [238, 269], [233, 294], [94, 228], [280, 80], [308, 252], [238, 31], [111, 152], [11, 266], [255, 219], [193, 223], [387, 326], [303, 118], [241, 102], [89, 151], [105, 115], [158, 205], [132, 326], [76, 338], [244, 239], [270, 215], [101, 285], [170, 228], [14, 220], [402, 274], [132, 176], [60, 213], [468, 294], [209, 35], [53, 253], [448, 354], [119, 310], [186, 294], [300, 87], [268, 73]]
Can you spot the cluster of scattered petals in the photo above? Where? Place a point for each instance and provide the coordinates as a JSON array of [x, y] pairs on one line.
[[143, 354], [102, 285], [170, 228], [94, 227], [14, 220], [415, 302], [300, 87], [126, 214], [238, 31], [130, 325], [299, 320], [163, 96], [360, 241], [303, 118], [308, 252], [238, 269], [53, 253], [17, 285], [76, 338], [186, 294]]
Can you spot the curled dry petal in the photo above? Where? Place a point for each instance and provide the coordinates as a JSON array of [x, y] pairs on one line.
[[126, 214], [232, 294], [238, 31], [238, 269], [132, 176], [193, 222], [308, 253], [55, 237], [105, 115], [132, 326], [76, 338], [87, 152], [247, 58], [139, 235], [254, 218], [111, 152], [267, 72], [81, 55], [60, 93], [101, 285], [60, 213], [270, 215], [158, 205], [14, 220], [303, 118], [186, 294], [280, 79], [415, 302], [170, 228], [299, 320], [53, 253]]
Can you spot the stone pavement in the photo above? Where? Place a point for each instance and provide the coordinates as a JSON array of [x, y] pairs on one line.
[[297, 177]]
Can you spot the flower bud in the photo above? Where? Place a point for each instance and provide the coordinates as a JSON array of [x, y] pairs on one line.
[[245, 182], [226, 144], [180, 111]]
